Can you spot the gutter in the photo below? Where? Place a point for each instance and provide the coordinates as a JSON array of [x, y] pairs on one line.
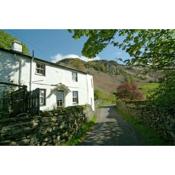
[[43, 61]]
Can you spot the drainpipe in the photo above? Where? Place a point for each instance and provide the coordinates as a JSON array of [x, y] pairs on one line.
[[31, 63], [87, 84], [19, 75]]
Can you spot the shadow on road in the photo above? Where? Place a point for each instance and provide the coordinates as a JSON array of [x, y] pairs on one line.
[[111, 129]]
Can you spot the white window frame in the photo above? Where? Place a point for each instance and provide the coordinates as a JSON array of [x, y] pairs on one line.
[[75, 76], [75, 97], [41, 69], [43, 97]]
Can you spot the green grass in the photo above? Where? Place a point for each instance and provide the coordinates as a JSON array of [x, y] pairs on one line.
[[104, 98], [148, 135], [148, 88], [78, 138]]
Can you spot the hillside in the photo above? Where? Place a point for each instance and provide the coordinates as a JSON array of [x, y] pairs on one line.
[[109, 74]]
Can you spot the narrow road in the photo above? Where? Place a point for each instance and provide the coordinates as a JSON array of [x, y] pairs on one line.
[[111, 129]]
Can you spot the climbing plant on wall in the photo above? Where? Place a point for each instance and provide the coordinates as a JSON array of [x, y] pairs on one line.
[[61, 87]]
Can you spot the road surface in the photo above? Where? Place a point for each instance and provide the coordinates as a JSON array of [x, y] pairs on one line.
[[111, 129]]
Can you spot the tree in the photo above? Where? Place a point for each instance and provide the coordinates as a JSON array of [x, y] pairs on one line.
[[154, 48], [129, 91], [6, 41]]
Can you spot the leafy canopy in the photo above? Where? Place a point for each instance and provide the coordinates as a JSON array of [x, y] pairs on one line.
[[154, 48], [6, 41]]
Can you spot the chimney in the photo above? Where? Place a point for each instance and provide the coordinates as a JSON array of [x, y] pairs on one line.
[[17, 46]]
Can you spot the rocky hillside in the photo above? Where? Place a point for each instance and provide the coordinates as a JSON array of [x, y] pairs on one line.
[[109, 74]]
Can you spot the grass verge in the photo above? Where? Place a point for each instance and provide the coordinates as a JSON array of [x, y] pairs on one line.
[[148, 88], [78, 138], [148, 136], [104, 98]]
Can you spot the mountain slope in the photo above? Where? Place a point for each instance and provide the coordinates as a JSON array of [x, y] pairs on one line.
[[109, 74]]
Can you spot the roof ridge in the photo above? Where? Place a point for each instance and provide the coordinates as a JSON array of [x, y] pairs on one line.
[[41, 60]]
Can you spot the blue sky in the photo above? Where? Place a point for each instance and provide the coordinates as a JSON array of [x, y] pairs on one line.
[[53, 45]]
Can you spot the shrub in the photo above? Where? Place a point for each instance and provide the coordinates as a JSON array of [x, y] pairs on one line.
[[129, 91]]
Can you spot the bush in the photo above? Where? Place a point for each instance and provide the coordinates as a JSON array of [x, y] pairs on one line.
[[159, 111], [129, 91]]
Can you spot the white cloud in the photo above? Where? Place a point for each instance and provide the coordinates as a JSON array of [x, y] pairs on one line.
[[59, 57], [56, 58]]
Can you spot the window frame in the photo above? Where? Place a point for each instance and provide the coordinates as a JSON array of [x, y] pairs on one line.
[[75, 79], [77, 101], [63, 100], [40, 69], [44, 97]]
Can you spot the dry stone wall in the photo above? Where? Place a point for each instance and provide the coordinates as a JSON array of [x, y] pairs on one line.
[[49, 128]]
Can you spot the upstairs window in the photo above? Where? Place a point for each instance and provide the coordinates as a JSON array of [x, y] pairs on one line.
[[42, 97], [75, 97], [40, 68], [74, 76]]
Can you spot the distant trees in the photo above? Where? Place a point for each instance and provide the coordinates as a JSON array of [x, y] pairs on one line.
[[6, 41]]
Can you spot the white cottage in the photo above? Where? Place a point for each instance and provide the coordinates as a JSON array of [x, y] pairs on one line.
[[21, 69]]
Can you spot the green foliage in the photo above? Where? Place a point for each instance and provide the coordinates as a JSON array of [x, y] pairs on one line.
[[6, 41], [148, 89], [97, 40], [148, 135], [78, 137], [164, 96], [158, 112], [154, 48], [61, 87]]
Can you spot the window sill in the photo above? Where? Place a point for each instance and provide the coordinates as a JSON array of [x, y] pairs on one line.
[[75, 104], [40, 74]]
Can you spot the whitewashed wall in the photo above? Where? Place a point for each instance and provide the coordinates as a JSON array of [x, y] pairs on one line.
[[9, 71]]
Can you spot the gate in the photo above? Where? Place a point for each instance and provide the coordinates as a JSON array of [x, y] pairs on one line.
[[33, 101], [20, 101]]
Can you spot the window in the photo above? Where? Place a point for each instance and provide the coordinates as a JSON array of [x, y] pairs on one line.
[[40, 68], [42, 97], [75, 97], [60, 99], [74, 76]]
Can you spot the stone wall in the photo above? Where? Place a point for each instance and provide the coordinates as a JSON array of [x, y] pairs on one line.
[[49, 128], [88, 112], [162, 122]]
